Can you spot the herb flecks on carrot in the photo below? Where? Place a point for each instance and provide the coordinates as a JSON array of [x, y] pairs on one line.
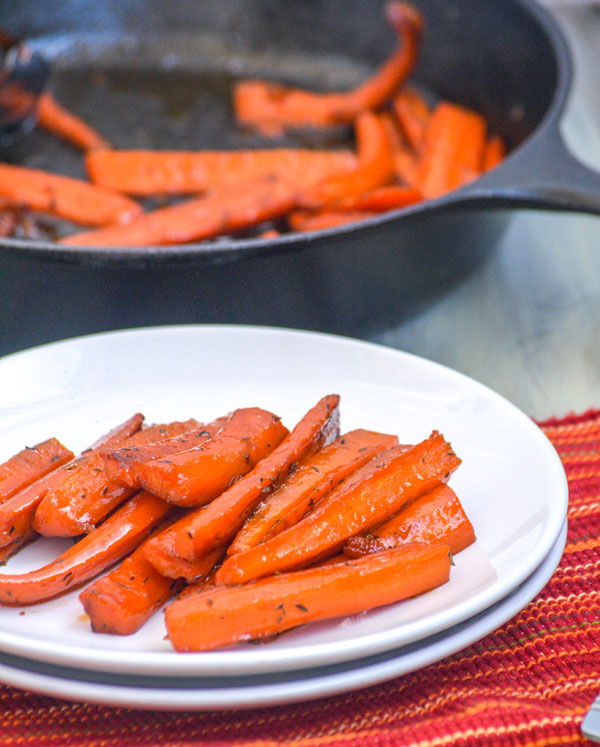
[[30, 464]]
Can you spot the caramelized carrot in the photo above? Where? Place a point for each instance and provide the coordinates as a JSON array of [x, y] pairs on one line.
[[437, 516], [122, 463], [160, 552], [381, 199], [54, 118], [375, 166], [72, 199], [13, 547], [494, 153], [453, 150], [225, 210], [30, 464], [223, 616], [319, 220], [112, 540], [405, 159], [413, 114], [197, 476], [308, 484], [17, 512], [374, 492], [272, 108], [145, 172], [204, 529]]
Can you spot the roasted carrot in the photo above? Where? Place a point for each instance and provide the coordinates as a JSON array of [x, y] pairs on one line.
[[319, 220], [30, 464], [198, 475], [161, 554], [54, 118], [108, 543], [413, 114], [381, 199], [437, 516], [204, 529], [405, 159], [17, 512], [145, 172], [223, 616], [453, 149], [121, 602], [222, 211], [13, 547], [495, 150], [122, 463], [373, 493], [72, 199], [272, 108], [308, 484], [375, 166]]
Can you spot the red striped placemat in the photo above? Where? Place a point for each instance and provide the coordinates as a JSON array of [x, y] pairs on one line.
[[529, 683]]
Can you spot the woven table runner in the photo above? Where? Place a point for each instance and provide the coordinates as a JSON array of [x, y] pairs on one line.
[[529, 683]]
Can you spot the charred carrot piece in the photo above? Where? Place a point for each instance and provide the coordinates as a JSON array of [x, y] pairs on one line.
[[222, 211], [437, 516], [145, 172], [375, 492], [495, 151], [272, 108], [122, 463], [82, 495], [204, 529], [375, 166], [62, 196], [413, 114], [30, 464], [116, 537], [17, 512], [453, 150], [223, 616], [198, 475], [54, 118], [301, 492]]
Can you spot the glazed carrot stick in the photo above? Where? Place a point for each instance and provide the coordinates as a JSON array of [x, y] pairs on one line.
[[372, 494], [405, 159], [198, 475], [108, 543], [308, 484], [375, 166], [13, 547], [223, 616], [72, 199], [319, 220], [495, 150], [381, 199], [170, 565], [204, 529], [54, 118], [122, 463], [437, 516], [453, 150], [272, 108], [145, 172], [413, 114], [30, 464], [222, 211], [17, 512]]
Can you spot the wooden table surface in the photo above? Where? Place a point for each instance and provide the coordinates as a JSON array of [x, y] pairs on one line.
[[527, 323]]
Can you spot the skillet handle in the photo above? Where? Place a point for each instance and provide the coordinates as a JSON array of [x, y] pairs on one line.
[[542, 175]]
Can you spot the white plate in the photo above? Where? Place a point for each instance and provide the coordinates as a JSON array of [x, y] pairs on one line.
[[511, 482], [205, 694]]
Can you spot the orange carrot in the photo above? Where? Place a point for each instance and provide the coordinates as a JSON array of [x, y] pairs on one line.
[[146, 172], [13, 547], [381, 199], [30, 464], [68, 198], [54, 118], [225, 210], [17, 512], [223, 616], [405, 159], [413, 114], [319, 220], [198, 475], [494, 153], [160, 552], [308, 484], [373, 493], [112, 540], [437, 516], [271, 107], [453, 149], [204, 529], [375, 166], [122, 463]]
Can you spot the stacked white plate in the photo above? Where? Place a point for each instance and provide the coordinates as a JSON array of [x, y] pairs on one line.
[[511, 483]]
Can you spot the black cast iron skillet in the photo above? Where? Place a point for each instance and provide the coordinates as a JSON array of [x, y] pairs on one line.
[[154, 74]]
